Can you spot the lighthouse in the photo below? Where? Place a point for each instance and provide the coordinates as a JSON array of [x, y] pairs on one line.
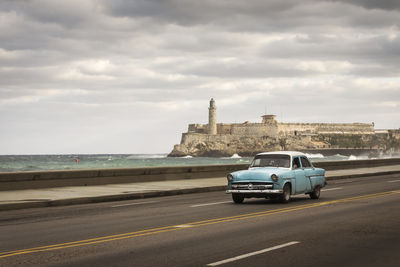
[[212, 118]]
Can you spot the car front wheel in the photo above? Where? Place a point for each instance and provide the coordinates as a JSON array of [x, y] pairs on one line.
[[316, 193], [285, 197], [237, 198]]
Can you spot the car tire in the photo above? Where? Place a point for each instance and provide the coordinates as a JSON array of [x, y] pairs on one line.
[[285, 197], [238, 198], [316, 193]]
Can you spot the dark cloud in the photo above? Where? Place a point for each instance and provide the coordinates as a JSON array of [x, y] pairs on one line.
[[66, 13], [376, 4], [257, 15], [195, 12]]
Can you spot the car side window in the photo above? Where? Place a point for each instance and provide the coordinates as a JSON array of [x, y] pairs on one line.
[[305, 163], [296, 163], [256, 162]]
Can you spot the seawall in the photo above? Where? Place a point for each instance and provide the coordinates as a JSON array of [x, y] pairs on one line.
[[50, 179]]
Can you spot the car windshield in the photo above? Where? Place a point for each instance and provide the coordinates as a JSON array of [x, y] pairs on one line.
[[271, 161]]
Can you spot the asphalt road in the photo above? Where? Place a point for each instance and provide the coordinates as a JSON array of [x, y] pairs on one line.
[[356, 222]]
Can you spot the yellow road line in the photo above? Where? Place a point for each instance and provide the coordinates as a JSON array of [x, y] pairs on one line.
[[170, 228]]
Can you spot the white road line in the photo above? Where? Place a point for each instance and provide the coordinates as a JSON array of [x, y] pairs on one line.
[[393, 181], [330, 189], [252, 254], [137, 203], [209, 204]]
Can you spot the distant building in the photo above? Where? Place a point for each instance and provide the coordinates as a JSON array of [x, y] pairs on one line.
[[226, 139]]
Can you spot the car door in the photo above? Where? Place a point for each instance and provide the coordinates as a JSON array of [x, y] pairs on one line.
[[300, 176], [309, 172]]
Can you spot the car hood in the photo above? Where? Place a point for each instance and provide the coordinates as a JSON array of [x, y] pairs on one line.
[[258, 174]]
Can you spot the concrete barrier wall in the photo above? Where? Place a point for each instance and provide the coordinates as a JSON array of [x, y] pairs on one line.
[[354, 164], [49, 179]]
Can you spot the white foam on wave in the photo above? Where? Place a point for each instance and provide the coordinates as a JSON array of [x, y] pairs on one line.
[[186, 157], [352, 157], [313, 156], [235, 156]]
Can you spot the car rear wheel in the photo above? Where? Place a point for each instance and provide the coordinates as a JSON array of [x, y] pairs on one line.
[[316, 193], [285, 197], [237, 198]]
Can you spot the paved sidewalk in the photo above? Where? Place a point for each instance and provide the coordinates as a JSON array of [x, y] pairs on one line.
[[20, 199]]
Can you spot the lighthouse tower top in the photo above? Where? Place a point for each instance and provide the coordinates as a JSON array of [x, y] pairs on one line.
[[212, 103]]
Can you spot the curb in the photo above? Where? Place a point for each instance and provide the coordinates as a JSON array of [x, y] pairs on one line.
[[141, 195]]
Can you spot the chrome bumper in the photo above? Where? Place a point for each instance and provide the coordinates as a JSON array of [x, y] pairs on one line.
[[265, 191]]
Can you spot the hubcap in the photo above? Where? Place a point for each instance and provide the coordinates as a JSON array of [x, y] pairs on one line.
[[287, 194]]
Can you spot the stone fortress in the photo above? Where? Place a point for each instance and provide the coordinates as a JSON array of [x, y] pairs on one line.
[[247, 139]]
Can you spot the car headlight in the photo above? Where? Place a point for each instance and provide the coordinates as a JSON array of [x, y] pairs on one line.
[[229, 177], [274, 177]]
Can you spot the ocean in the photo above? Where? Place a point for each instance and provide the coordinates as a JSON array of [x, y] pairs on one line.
[[19, 163]]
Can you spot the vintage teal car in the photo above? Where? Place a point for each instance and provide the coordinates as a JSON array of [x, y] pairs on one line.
[[277, 175]]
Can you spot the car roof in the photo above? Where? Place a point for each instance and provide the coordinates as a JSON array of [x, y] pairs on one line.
[[290, 153]]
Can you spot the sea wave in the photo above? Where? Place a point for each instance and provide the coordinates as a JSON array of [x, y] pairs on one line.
[[235, 156], [20, 163], [340, 156], [313, 156], [146, 156]]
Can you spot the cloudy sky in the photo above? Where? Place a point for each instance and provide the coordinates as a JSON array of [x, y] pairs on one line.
[[124, 76]]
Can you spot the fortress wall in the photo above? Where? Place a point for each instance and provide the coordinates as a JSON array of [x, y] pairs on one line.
[[250, 129], [351, 128], [326, 128], [224, 128], [198, 128], [188, 138], [290, 128], [254, 129]]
